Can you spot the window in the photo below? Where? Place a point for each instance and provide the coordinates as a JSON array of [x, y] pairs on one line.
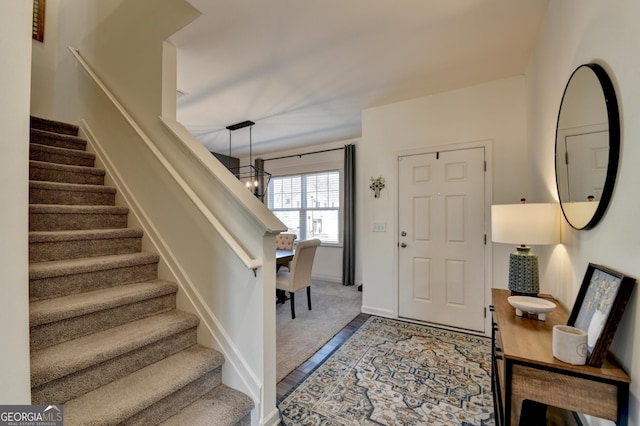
[[309, 204]]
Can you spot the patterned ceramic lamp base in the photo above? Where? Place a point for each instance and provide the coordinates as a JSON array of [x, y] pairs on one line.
[[523, 272]]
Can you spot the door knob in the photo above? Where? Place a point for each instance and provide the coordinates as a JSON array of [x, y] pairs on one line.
[[403, 245]]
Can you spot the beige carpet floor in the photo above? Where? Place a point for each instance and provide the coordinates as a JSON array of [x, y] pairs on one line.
[[333, 307]]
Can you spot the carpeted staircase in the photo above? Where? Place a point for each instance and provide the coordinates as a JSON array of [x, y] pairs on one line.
[[106, 338]]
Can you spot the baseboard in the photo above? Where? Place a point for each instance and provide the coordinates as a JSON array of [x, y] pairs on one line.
[[378, 312], [329, 278], [272, 419]]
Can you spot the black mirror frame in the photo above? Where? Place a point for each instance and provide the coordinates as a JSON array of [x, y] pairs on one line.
[[613, 116]]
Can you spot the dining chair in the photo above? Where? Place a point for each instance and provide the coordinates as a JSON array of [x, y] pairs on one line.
[[299, 274], [285, 242]]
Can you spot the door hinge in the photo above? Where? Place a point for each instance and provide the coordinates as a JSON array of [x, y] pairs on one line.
[[485, 311], [485, 239], [485, 166]]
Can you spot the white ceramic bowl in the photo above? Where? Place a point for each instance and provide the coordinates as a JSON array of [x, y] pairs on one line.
[[532, 305]]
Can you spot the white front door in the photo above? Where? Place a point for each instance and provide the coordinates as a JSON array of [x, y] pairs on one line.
[[441, 239]]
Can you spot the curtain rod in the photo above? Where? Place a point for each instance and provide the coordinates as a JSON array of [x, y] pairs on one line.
[[305, 153]]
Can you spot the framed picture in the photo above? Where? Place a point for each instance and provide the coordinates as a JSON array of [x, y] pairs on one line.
[[598, 308], [37, 29]]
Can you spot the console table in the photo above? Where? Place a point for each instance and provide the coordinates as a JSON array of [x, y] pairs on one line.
[[524, 369]]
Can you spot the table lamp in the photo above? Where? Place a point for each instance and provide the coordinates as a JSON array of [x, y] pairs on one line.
[[525, 223]]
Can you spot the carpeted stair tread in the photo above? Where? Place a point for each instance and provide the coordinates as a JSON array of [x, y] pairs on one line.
[[118, 401], [60, 308], [95, 309], [38, 152], [46, 171], [42, 192], [57, 245], [56, 268], [44, 137], [54, 126], [60, 217], [79, 354], [61, 208], [63, 186], [83, 234], [226, 405]]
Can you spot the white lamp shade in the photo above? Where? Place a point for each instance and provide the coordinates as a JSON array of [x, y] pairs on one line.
[[535, 224]]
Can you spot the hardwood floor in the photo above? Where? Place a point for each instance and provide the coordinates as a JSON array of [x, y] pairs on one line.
[[306, 368]]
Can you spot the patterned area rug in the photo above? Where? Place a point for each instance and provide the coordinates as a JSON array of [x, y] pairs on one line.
[[397, 373]]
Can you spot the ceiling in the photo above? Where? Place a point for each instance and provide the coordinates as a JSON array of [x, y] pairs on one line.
[[304, 71]]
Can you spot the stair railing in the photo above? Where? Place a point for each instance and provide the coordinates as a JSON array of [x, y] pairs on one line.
[[248, 260]]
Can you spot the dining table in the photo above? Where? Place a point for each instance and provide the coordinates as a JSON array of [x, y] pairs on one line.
[[283, 257]]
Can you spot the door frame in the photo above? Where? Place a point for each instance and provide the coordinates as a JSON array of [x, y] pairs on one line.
[[487, 144]]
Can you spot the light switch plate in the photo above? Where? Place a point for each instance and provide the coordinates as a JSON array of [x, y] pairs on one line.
[[379, 226]]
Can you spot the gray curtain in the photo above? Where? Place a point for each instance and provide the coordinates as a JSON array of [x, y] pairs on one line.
[[349, 234]]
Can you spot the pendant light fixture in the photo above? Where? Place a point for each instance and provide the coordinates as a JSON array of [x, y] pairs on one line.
[[255, 179]]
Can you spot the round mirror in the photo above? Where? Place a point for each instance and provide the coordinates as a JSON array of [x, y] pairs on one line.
[[587, 146]]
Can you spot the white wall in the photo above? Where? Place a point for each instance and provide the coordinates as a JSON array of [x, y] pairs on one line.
[[15, 74], [44, 62], [52, 66], [493, 111], [605, 32]]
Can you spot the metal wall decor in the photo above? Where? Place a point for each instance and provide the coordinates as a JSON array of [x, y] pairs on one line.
[[377, 184]]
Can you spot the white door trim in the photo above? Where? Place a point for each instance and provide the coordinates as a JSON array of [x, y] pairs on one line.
[[487, 144]]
